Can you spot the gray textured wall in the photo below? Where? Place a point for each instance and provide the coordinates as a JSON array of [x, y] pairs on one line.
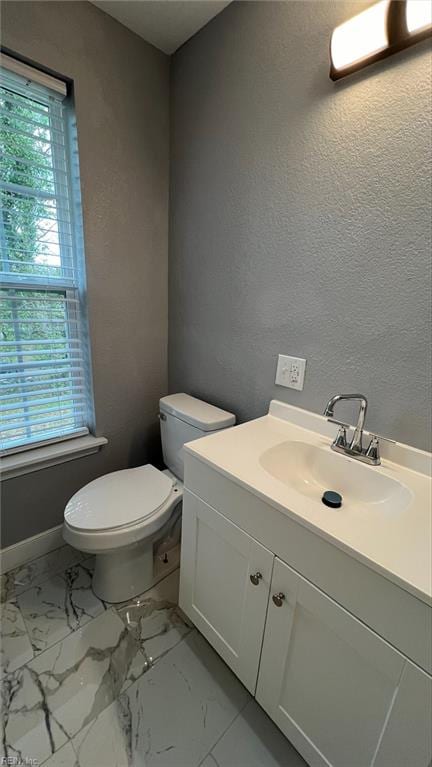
[[300, 218], [122, 105]]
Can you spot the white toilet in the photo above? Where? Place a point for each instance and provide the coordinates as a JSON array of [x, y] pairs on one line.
[[122, 516]]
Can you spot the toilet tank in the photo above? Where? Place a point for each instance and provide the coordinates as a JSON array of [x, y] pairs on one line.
[[184, 418]]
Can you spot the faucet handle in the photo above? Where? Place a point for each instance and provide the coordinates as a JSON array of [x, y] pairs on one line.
[[380, 437], [373, 450], [339, 423], [341, 437]]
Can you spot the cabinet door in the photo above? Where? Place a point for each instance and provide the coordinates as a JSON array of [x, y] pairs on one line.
[[407, 739], [325, 679], [217, 591]]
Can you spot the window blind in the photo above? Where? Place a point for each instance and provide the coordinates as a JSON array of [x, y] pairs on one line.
[[45, 382]]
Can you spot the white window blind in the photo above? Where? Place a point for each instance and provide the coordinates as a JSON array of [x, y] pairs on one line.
[[45, 383]]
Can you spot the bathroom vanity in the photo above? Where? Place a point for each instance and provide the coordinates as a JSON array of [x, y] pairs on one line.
[[324, 614]]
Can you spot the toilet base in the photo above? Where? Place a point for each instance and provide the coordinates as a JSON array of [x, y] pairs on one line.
[[125, 573]]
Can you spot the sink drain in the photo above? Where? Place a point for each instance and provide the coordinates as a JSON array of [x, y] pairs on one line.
[[332, 499]]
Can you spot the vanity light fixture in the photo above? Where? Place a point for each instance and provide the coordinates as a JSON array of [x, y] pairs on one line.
[[382, 29], [418, 15]]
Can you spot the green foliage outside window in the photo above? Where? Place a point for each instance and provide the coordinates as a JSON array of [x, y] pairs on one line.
[[34, 323]]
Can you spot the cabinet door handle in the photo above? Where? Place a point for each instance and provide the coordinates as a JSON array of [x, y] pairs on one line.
[[278, 599], [255, 578]]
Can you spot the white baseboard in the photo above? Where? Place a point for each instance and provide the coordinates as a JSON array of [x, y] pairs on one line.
[[31, 548]]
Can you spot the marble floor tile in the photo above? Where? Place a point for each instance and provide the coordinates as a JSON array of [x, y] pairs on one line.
[[35, 572], [29, 729], [209, 761], [15, 645], [7, 587], [155, 618], [85, 700], [63, 689], [254, 741], [108, 739], [170, 717], [64, 757], [60, 605]]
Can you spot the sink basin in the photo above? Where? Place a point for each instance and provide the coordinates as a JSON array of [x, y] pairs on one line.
[[310, 470]]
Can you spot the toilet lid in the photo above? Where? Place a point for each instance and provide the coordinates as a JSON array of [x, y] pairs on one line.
[[118, 499]]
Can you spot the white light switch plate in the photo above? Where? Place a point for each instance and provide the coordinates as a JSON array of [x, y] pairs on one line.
[[290, 372]]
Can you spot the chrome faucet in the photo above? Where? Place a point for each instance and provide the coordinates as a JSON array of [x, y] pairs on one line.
[[354, 449], [357, 440]]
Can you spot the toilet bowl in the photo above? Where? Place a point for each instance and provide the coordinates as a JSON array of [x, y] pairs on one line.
[[123, 516]]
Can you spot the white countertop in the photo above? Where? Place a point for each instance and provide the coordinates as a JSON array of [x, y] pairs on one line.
[[395, 542]]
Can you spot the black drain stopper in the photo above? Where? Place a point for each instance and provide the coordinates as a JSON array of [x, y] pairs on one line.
[[332, 499]]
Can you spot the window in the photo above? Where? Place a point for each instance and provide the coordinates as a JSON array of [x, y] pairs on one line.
[[45, 384]]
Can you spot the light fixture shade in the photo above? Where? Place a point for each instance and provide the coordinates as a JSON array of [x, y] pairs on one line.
[[418, 15], [382, 29], [360, 37]]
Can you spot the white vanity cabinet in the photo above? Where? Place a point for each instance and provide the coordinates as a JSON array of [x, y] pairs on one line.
[[225, 583], [331, 684], [407, 739], [342, 694]]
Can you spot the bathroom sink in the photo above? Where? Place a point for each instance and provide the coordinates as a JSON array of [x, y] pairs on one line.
[[311, 470], [285, 459]]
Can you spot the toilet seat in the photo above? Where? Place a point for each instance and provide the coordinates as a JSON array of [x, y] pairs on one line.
[[120, 508], [119, 499]]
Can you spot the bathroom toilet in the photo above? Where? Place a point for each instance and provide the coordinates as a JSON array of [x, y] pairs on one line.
[[124, 516]]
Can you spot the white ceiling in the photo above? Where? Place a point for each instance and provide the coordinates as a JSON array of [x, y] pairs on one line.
[[167, 24]]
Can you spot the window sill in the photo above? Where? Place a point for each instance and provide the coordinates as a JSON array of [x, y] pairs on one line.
[[49, 455]]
